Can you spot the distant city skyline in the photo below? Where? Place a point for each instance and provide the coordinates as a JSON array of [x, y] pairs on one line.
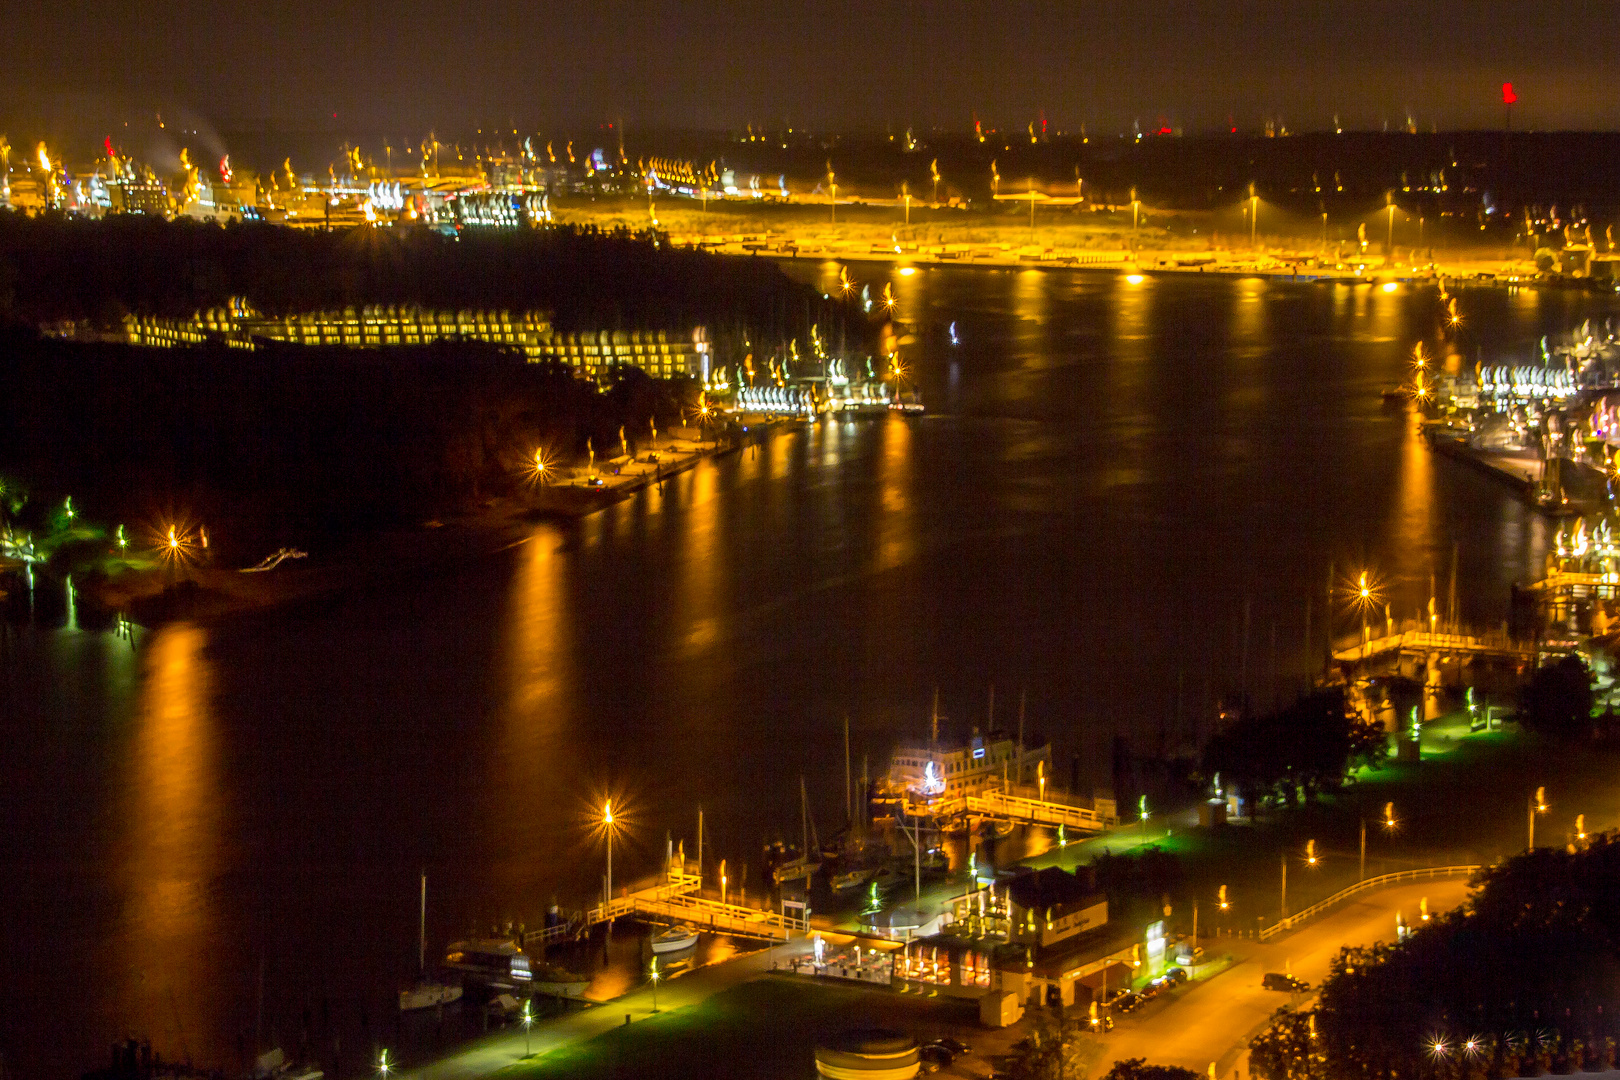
[[885, 63]]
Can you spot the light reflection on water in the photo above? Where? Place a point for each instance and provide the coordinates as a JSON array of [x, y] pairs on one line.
[[1108, 473], [174, 817]]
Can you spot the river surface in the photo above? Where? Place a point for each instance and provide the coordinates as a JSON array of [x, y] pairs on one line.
[[1109, 472]]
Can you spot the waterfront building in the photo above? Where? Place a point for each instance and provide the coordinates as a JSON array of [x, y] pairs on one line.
[[1052, 905], [590, 354]]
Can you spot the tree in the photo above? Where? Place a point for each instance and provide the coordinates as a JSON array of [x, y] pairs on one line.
[[1138, 1069], [1289, 1049], [1048, 1052], [1306, 747], [1558, 699]]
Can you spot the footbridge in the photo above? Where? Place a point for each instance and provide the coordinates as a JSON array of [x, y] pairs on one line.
[[676, 899], [1031, 806], [1410, 643]]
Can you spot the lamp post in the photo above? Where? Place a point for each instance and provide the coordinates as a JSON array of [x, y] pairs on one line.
[[1538, 805], [607, 825], [654, 976], [528, 1019], [383, 1067], [1254, 216], [1389, 243]]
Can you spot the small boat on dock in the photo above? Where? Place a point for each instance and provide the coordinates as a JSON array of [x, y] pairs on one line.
[[675, 939]]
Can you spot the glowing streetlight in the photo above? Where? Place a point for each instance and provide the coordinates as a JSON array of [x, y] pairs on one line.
[[1580, 826], [383, 1067], [1040, 778], [654, 976], [905, 193], [1221, 898], [1310, 853], [832, 185], [1438, 1048], [1389, 816], [528, 1019], [540, 469], [1254, 216]]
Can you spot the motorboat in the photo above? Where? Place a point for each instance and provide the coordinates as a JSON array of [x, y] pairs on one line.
[[427, 994], [675, 939], [493, 962], [559, 982]]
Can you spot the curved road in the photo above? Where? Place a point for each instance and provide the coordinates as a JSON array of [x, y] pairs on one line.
[[1213, 1020]]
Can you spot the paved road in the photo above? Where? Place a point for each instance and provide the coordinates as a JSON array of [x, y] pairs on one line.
[[495, 1052], [1212, 1021]]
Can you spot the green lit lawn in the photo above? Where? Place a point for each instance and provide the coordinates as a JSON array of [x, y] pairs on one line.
[[766, 1029]]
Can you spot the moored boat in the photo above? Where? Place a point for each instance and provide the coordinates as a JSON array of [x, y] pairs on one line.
[[428, 993], [491, 961], [559, 982], [674, 940]]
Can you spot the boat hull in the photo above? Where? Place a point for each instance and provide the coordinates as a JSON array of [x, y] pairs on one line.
[[664, 944], [428, 996], [561, 989]]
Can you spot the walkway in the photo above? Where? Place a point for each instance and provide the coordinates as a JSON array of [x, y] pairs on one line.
[[495, 1052]]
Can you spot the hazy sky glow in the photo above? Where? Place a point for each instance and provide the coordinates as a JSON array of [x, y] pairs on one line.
[[413, 63]]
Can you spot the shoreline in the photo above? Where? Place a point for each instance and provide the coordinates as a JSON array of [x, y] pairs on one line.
[[365, 560]]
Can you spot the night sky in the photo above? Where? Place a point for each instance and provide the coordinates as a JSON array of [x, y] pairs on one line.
[[413, 63]]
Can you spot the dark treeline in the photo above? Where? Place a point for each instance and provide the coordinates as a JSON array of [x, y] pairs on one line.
[[288, 441], [56, 268]]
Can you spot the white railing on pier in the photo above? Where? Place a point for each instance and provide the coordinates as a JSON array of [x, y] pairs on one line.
[[1424, 641], [676, 901], [1399, 877]]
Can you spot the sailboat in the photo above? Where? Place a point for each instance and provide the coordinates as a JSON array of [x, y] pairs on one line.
[[427, 992]]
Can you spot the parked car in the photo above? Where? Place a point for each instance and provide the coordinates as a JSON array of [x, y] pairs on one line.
[[1276, 980], [934, 1056], [955, 1046]]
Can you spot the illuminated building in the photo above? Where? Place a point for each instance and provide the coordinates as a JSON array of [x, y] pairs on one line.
[[944, 772], [591, 354]]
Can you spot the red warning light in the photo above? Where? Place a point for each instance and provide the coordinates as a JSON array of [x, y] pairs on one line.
[[1508, 96]]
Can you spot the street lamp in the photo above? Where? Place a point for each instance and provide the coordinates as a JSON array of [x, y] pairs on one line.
[[528, 1019], [654, 976], [1254, 216], [383, 1068], [1389, 197], [1538, 805]]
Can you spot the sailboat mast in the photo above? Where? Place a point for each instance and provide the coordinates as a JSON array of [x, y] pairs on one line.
[[849, 797], [421, 930]]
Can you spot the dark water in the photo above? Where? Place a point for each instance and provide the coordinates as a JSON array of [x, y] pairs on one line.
[[1108, 471]]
